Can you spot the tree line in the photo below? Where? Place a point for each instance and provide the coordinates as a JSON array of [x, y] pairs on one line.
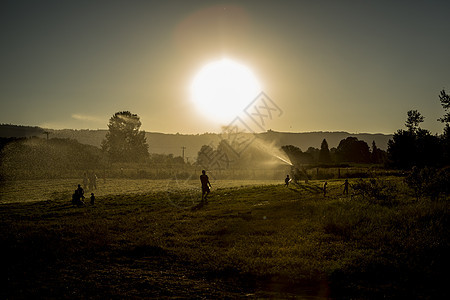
[[414, 146], [124, 147], [126, 143], [349, 150], [418, 147]]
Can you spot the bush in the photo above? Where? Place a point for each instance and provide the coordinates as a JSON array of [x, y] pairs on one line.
[[429, 182], [377, 191]]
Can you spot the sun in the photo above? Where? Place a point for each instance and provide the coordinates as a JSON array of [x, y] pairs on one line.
[[223, 88]]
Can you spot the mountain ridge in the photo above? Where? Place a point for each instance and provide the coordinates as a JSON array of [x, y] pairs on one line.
[[170, 143]]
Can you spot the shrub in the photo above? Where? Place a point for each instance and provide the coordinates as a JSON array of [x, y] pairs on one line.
[[429, 182], [376, 190]]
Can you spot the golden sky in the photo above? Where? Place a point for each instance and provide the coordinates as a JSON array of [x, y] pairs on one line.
[[355, 66]]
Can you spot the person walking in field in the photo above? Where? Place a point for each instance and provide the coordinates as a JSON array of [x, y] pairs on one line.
[[325, 189], [286, 181], [345, 192], [92, 198], [205, 182]]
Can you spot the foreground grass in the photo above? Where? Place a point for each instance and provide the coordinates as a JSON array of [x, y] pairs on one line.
[[262, 241]]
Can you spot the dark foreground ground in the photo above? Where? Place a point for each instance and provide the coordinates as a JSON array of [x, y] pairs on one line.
[[256, 242], [147, 275]]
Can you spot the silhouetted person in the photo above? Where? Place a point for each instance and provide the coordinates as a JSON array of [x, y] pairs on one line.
[[205, 182], [92, 198], [80, 192], [286, 181], [78, 196], [345, 192], [325, 189]]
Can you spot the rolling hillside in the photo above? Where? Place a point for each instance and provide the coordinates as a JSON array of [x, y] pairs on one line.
[[172, 143]]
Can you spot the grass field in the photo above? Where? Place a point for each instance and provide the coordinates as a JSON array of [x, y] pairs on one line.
[[62, 189], [250, 240]]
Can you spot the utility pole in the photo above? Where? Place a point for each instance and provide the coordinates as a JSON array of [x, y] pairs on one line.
[[183, 148]]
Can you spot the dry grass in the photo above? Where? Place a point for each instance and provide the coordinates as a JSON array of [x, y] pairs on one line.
[[262, 241]]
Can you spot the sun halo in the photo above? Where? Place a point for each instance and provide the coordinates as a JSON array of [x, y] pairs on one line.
[[222, 89]]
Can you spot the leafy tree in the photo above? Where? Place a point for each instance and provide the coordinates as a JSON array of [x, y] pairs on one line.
[[324, 154], [445, 142], [205, 156], [333, 153], [377, 155], [374, 157], [428, 149], [413, 120], [296, 155], [226, 155], [445, 102], [124, 142], [414, 147], [429, 182], [402, 149], [444, 98], [353, 150], [314, 153]]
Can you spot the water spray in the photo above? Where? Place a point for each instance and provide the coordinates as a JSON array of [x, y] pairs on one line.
[[283, 160], [272, 150]]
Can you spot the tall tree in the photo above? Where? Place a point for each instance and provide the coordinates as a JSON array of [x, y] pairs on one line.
[[314, 152], [297, 156], [445, 102], [445, 141], [413, 120], [377, 155], [124, 142], [353, 150], [444, 98], [414, 147], [324, 154], [402, 150], [205, 156]]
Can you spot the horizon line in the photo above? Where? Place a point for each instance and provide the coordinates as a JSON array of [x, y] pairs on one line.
[[198, 133]]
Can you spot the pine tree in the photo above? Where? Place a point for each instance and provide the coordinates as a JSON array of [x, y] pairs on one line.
[[324, 154]]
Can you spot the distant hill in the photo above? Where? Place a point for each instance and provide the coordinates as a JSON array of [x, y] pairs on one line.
[[164, 143], [18, 131]]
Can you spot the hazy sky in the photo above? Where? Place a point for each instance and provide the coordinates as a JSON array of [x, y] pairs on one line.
[[355, 66]]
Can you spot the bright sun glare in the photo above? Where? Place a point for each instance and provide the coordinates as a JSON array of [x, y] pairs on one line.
[[222, 89]]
